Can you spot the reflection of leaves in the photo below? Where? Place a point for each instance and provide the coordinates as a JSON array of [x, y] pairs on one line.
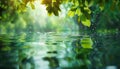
[[53, 61], [86, 42], [80, 56], [87, 62], [54, 52], [68, 59], [27, 47], [6, 48]]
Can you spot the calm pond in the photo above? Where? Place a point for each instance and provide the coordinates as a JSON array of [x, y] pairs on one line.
[[59, 51]]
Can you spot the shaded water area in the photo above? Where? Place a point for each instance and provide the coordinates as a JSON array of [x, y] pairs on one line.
[[58, 51]]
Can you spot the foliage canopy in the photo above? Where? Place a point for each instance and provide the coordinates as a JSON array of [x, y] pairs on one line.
[[83, 9]]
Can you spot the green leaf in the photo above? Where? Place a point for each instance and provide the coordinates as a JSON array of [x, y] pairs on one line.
[[85, 21], [55, 11], [87, 9], [32, 5], [71, 13], [49, 9], [101, 5], [78, 12], [53, 0], [86, 3], [46, 1], [86, 42], [90, 3], [76, 3]]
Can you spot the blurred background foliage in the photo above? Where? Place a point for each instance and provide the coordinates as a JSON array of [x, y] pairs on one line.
[[18, 16], [97, 15]]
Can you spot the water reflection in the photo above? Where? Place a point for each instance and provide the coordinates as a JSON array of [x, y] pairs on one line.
[[53, 62], [58, 51]]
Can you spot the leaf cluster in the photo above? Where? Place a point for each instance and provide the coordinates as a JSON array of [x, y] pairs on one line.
[[80, 8], [52, 6]]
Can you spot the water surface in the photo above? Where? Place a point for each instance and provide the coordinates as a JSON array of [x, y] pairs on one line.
[[58, 51]]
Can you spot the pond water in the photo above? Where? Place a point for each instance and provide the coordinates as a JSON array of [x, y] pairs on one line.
[[58, 51]]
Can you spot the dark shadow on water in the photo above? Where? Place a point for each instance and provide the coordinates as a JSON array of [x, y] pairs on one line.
[[53, 62]]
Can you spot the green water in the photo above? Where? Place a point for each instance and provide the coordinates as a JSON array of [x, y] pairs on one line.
[[58, 50]]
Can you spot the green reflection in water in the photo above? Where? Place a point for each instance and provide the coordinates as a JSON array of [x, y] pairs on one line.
[[58, 50]]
